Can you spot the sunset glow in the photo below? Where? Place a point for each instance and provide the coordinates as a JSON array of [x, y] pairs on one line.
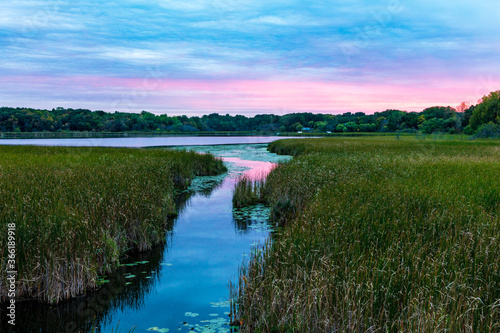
[[247, 57]]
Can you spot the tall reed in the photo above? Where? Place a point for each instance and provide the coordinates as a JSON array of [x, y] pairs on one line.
[[248, 192], [380, 235]]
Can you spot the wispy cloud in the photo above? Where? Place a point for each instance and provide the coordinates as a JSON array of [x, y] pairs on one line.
[[391, 44]]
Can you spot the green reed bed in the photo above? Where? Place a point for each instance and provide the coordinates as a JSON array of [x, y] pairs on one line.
[[248, 192], [379, 235], [77, 210]]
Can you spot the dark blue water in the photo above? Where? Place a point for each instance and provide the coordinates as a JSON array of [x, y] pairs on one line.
[[182, 285]]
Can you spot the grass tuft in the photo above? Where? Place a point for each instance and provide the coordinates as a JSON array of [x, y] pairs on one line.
[[248, 192]]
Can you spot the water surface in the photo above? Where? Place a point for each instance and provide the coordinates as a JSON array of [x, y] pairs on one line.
[[138, 142]]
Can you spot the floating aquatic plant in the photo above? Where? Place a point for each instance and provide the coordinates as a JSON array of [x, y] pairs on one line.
[[222, 304], [157, 329]]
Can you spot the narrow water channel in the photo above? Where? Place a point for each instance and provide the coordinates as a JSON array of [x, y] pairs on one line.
[[181, 286]]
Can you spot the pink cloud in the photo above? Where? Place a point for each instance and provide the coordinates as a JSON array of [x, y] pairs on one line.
[[235, 96]]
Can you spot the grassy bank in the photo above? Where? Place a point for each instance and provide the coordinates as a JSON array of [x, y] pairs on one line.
[[381, 235], [77, 210]]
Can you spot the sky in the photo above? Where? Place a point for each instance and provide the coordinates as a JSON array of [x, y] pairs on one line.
[[248, 56]]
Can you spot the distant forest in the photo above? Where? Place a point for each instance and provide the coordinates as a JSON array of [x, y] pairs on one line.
[[436, 119]]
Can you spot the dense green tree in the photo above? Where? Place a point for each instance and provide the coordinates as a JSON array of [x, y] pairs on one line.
[[320, 126], [341, 128], [487, 111], [440, 112], [430, 120], [351, 126], [380, 123], [467, 115]]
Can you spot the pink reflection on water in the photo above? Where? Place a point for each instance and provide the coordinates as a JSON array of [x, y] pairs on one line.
[[258, 169]]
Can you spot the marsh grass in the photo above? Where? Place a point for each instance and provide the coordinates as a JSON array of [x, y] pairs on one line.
[[248, 192], [379, 235], [249, 189], [77, 210]]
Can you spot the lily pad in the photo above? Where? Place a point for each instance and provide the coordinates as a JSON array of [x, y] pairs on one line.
[[223, 304], [157, 329]]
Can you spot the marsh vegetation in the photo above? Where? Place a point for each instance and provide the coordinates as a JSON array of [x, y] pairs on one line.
[[248, 191], [77, 210], [378, 234]]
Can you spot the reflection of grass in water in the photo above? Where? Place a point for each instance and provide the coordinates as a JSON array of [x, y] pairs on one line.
[[96, 308]]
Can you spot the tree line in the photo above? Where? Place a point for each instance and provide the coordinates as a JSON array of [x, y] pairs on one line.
[[438, 119]]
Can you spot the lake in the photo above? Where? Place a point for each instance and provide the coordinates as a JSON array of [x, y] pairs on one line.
[[182, 285], [138, 142]]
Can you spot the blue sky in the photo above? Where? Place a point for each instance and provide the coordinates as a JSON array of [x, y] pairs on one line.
[[247, 57]]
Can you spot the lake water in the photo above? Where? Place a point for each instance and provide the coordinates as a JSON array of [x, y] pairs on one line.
[[138, 142], [181, 286]]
